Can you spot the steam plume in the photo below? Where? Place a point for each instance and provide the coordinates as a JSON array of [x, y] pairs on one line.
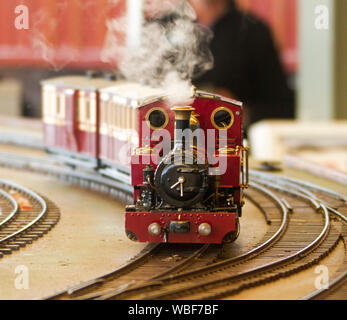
[[174, 49]]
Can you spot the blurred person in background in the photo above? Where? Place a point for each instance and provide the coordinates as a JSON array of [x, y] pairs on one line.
[[247, 66]]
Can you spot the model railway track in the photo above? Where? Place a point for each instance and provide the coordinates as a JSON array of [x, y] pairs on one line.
[[336, 204], [227, 278], [28, 139], [8, 207], [85, 179], [154, 262], [321, 235], [117, 190], [142, 273], [306, 237], [26, 217], [336, 289], [283, 257]]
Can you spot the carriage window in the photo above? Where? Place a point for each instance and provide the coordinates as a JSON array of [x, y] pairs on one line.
[[87, 109], [62, 106], [132, 118], [108, 113], [118, 115], [52, 103], [123, 116], [129, 117], [49, 103], [114, 118], [81, 106], [57, 105], [102, 112], [222, 118], [77, 112], [111, 120], [46, 108], [92, 108]]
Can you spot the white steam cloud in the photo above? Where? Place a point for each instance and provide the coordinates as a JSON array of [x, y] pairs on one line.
[[173, 50]]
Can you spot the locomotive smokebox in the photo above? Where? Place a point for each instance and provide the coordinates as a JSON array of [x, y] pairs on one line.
[[179, 179], [182, 122]]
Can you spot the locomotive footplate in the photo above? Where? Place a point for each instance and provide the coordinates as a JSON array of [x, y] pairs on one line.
[[180, 227]]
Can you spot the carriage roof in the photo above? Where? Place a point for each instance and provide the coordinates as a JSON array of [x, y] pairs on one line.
[[134, 91], [79, 82], [121, 88]]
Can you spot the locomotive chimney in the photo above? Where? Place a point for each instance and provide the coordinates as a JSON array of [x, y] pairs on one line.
[[182, 122]]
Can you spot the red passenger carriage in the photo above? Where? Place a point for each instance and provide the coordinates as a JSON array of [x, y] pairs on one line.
[[71, 118]]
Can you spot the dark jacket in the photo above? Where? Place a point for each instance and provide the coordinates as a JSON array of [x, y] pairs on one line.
[[246, 63]]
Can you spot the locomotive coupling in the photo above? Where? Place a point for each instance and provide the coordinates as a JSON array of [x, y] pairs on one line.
[[179, 226]]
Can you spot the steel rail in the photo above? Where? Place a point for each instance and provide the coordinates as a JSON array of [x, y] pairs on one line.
[[306, 197], [296, 185], [60, 171], [14, 205], [31, 194], [221, 264], [50, 166], [309, 185], [146, 252], [255, 250], [290, 259], [127, 288], [335, 283], [259, 207]]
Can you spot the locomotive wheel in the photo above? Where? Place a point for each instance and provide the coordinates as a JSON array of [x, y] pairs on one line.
[[232, 236]]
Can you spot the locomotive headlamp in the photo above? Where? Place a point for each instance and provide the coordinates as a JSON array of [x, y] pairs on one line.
[[204, 229], [154, 229]]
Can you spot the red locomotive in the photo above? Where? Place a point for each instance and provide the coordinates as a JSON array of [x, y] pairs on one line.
[[188, 165]]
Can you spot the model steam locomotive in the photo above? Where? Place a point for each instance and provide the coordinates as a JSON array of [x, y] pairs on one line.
[[187, 164]]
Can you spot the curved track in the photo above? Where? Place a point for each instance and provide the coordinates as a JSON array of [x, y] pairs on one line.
[[309, 237], [228, 277], [26, 216], [336, 204], [135, 278], [152, 263], [305, 226]]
